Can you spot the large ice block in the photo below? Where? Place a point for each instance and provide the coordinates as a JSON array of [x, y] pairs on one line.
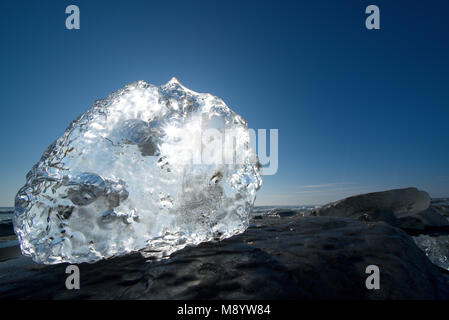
[[154, 168]]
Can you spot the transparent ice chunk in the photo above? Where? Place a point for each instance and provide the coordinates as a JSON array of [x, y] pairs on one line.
[[142, 169], [436, 249]]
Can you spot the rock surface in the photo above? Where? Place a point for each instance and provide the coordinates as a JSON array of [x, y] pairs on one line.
[[442, 205], [429, 218], [401, 202], [405, 208], [278, 257]]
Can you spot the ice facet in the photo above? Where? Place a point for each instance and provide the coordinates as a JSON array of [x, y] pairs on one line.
[[436, 249], [154, 168]]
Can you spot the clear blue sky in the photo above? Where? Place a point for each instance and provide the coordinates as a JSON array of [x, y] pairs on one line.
[[357, 110]]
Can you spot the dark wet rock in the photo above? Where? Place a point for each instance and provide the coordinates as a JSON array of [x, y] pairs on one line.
[[286, 213], [400, 201], [430, 217], [9, 249], [442, 205], [6, 228], [378, 215], [408, 209], [290, 257]]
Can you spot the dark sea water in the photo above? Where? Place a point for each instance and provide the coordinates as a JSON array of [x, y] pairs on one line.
[[9, 246], [6, 213]]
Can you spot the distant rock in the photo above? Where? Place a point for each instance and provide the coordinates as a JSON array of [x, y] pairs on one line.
[[442, 205], [429, 218], [278, 257], [409, 209], [379, 215], [400, 201], [405, 208]]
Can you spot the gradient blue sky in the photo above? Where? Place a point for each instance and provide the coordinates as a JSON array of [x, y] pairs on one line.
[[357, 110]]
